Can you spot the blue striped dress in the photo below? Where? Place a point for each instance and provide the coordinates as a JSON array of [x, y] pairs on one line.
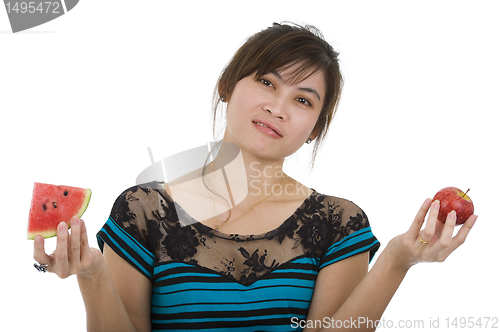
[[211, 281]]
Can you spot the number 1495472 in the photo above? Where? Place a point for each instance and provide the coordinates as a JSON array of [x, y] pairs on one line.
[[33, 7]]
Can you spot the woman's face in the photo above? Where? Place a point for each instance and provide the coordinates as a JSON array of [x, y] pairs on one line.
[[271, 118]]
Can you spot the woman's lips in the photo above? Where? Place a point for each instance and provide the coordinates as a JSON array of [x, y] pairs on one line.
[[267, 128]]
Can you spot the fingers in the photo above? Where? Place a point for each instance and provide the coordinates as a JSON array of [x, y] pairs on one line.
[[61, 252], [74, 245], [449, 227], [70, 249], [39, 251], [420, 218], [436, 240], [442, 241], [84, 241], [458, 239], [427, 234]]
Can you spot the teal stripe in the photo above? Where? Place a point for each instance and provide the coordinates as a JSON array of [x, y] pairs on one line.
[[220, 319], [201, 296], [147, 255], [187, 274], [351, 253], [274, 328], [169, 265], [185, 268], [230, 306], [286, 271], [304, 260], [126, 254], [133, 246], [350, 241], [357, 236], [207, 295], [234, 286]]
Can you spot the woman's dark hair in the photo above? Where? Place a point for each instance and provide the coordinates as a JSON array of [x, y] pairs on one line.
[[279, 47]]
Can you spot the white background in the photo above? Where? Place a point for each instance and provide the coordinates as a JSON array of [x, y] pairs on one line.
[[83, 96]]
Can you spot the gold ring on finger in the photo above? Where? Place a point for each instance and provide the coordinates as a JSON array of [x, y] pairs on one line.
[[422, 241]]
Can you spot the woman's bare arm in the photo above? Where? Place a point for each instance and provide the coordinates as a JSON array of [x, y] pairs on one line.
[[373, 293], [116, 296]]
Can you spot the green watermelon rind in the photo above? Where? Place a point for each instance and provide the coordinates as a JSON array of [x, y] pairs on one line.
[[85, 203], [49, 234]]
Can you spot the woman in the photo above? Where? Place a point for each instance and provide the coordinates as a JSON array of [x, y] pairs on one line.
[[238, 244]]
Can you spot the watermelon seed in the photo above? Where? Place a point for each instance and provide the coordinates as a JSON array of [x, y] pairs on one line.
[[54, 204], [44, 207], [66, 193]]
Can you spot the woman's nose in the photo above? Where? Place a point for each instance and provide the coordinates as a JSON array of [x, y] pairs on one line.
[[276, 107]]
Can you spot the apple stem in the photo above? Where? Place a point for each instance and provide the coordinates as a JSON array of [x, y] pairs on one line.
[[465, 193]]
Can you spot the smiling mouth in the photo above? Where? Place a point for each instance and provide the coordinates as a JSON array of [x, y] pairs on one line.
[[263, 125]]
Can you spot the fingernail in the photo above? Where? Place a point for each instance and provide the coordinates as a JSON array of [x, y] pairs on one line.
[[436, 203], [38, 239], [75, 221], [62, 226], [474, 220]]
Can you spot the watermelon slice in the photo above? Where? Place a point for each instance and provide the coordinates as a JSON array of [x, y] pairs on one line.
[[51, 204]]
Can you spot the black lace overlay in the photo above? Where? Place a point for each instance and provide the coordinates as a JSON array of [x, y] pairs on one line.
[[150, 216]]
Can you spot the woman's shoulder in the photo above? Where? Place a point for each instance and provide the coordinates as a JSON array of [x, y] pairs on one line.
[[143, 191], [342, 212], [140, 197], [336, 202]]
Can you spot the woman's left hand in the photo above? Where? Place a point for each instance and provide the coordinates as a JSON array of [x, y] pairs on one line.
[[434, 243]]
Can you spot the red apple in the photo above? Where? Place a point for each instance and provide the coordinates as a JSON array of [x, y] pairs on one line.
[[452, 198]]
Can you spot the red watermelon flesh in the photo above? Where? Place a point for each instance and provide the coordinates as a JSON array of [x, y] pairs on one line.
[[51, 204]]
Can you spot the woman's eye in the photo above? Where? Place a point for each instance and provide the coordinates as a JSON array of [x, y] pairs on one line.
[[304, 101], [266, 82]]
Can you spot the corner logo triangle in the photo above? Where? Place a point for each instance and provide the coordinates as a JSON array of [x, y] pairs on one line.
[[25, 15]]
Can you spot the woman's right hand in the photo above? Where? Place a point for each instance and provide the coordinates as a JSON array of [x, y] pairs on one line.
[[73, 254], [434, 243]]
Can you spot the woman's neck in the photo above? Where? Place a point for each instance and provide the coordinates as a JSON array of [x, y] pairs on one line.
[[246, 173], [238, 181]]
